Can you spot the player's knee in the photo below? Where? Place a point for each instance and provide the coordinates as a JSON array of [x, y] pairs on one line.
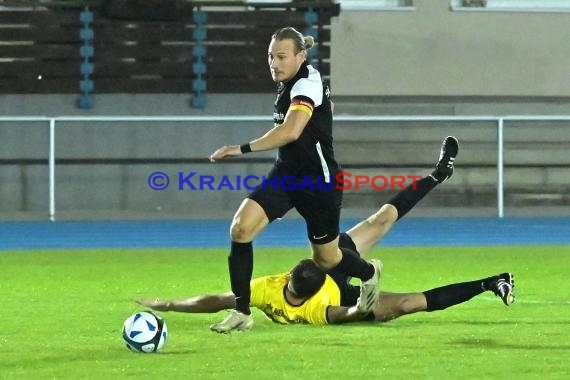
[[384, 218], [326, 261], [240, 232], [325, 264], [407, 305]]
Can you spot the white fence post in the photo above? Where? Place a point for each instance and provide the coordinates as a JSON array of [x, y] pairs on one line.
[[51, 168], [500, 169]]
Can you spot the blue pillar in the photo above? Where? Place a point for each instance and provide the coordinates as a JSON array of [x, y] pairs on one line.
[[311, 29], [199, 67], [86, 68]]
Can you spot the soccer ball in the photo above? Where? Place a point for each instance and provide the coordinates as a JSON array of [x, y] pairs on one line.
[[145, 332]]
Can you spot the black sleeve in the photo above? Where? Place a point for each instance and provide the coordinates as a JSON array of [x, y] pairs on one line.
[[304, 99]]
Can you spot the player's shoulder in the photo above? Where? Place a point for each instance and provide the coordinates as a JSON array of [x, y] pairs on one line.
[[329, 289], [329, 281], [280, 278], [310, 86], [267, 288], [312, 78]]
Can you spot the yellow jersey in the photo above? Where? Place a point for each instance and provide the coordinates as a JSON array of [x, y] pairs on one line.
[[268, 295]]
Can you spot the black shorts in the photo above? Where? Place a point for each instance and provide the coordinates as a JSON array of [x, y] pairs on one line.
[[348, 293], [319, 207]]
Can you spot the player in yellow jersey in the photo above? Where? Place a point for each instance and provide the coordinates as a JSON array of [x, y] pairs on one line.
[[308, 295]]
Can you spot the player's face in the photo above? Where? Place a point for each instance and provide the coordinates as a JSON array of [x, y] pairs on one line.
[[283, 61]]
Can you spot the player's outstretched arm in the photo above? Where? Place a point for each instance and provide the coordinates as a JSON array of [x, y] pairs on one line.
[[283, 134], [209, 303], [280, 135], [343, 314]]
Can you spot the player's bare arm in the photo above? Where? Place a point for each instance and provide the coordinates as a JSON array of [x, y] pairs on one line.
[[209, 303], [344, 314], [280, 135]]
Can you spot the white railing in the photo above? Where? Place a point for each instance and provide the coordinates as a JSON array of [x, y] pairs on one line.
[[499, 120]]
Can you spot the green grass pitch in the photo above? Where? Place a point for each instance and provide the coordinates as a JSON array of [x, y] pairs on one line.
[[62, 311]]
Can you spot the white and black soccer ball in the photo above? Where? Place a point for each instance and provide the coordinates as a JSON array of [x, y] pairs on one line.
[[145, 332]]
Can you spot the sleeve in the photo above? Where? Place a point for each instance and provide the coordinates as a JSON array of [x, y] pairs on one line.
[[308, 88], [317, 314], [257, 292], [302, 103]]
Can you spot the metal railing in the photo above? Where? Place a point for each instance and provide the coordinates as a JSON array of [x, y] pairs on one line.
[[499, 120]]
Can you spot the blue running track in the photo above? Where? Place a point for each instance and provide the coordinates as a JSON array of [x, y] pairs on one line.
[[289, 233]]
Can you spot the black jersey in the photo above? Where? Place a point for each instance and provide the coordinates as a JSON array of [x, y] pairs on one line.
[[312, 153]]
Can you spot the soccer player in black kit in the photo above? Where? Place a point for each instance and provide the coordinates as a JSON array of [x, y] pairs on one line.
[[303, 177]]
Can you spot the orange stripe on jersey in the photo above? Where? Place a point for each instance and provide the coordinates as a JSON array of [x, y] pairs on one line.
[[301, 105]]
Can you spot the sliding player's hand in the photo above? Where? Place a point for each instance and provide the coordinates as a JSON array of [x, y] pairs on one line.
[[156, 304]]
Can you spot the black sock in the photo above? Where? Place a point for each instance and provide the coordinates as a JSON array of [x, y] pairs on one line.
[[240, 263], [449, 295], [406, 199], [355, 266], [437, 175]]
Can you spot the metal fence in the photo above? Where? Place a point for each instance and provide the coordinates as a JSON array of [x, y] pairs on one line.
[[501, 123]]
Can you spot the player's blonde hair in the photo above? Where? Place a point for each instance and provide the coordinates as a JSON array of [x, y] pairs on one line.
[[302, 43]]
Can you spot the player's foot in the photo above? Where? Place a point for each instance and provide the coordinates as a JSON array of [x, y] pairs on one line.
[[234, 321], [370, 289], [504, 287], [444, 167]]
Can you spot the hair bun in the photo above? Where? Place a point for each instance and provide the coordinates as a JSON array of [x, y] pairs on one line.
[[309, 41]]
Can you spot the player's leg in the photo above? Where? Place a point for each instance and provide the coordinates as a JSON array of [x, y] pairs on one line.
[[394, 305], [255, 213], [321, 211], [350, 264], [501, 285], [368, 232], [249, 220]]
